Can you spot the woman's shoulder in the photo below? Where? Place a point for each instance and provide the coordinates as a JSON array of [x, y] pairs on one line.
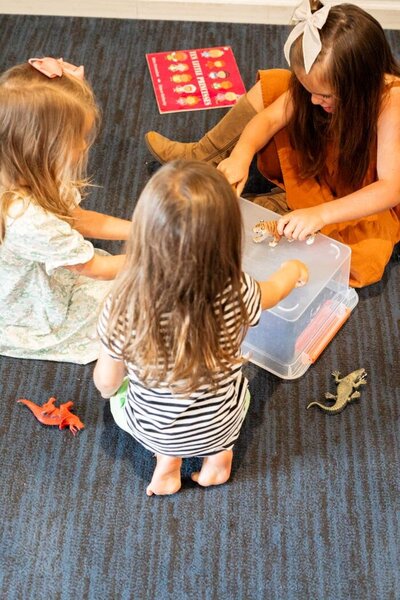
[[391, 96], [392, 83], [391, 79]]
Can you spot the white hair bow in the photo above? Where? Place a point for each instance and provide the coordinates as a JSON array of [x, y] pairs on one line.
[[308, 23]]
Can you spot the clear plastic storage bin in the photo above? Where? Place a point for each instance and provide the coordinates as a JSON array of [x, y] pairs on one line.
[[291, 335]]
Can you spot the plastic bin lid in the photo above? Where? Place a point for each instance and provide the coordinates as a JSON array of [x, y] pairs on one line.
[[324, 258]]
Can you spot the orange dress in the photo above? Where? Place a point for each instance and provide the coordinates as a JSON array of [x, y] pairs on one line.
[[371, 239]]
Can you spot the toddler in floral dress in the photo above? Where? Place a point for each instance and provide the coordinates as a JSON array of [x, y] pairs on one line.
[[53, 281]]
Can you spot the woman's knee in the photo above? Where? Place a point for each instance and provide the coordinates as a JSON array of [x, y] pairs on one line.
[[255, 97]]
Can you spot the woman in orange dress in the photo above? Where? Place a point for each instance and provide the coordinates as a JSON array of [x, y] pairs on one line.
[[327, 133]]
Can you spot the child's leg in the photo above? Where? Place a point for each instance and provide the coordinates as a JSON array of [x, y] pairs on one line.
[[166, 477], [216, 469], [167, 474]]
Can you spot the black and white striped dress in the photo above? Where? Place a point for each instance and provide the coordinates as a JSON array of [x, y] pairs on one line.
[[205, 422]]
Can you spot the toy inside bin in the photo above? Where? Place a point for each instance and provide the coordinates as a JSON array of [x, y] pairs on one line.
[[291, 335]]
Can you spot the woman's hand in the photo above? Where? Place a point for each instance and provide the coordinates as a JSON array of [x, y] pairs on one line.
[[300, 224], [236, 171]]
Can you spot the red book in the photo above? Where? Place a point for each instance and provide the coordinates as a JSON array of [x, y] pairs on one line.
[[195, 79]]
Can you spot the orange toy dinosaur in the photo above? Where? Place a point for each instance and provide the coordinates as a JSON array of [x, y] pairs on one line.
[[48, 414]]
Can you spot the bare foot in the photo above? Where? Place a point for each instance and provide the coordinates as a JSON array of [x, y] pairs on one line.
[[166, 477], [216, 469]]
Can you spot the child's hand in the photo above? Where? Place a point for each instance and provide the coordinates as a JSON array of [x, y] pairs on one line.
[[300, 224], [235, 171], [301, 270], [291, 274]]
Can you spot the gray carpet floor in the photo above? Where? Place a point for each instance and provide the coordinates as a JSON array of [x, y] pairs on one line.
[[312, 509]]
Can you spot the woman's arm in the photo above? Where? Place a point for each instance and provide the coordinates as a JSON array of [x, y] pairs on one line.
[[369, 200], [108, 374], [291, 274], [93, 224], [255, 135]]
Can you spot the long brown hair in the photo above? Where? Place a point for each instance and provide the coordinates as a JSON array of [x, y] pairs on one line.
[[354, 59], [46, 128], [183, 251]]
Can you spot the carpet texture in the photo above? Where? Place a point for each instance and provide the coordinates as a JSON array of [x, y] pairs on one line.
[[312, 508]]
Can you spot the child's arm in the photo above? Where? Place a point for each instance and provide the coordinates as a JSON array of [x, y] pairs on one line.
[[108, 374], [104, 227], [291, 274], [99, 267], [369, 200], [255, 135], [93, 224]]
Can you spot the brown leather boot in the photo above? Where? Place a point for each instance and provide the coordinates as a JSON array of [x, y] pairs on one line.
[[275, 200], [216, 143]]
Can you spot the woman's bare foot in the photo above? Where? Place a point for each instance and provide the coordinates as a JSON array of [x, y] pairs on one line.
[[166, 477], [216, 469]]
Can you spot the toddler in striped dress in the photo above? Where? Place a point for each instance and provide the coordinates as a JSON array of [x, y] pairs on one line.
[[172, 327]]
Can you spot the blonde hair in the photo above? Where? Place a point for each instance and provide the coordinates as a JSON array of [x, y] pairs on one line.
[[168, 303], [46, 128]]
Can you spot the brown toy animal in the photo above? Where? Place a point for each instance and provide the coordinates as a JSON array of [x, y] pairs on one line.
[[267, 229]]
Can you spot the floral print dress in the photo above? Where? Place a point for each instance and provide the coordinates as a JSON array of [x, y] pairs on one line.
[[46, 311]]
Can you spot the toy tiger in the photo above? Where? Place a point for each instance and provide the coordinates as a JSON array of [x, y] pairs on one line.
[[265, 229]]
